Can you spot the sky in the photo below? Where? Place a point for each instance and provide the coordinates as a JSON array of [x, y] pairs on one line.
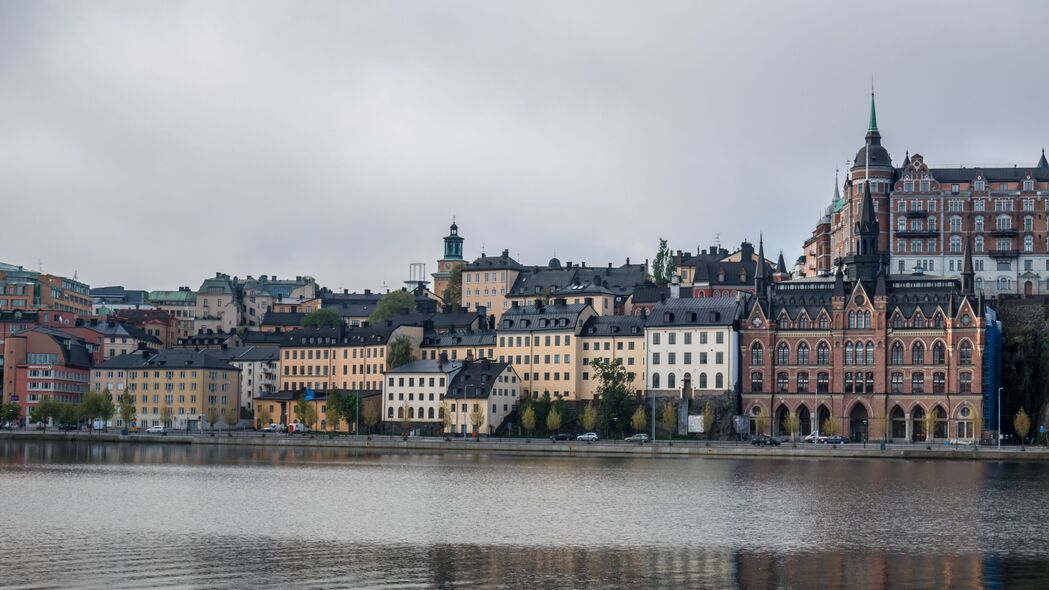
[[151, 144]]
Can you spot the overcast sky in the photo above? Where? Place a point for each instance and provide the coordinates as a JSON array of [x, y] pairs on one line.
[[151, 144]]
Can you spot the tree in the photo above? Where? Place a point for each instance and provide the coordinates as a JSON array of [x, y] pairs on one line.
[[528, 419], [612, 387], [265, 417], [668, 418], [453, 292], [10, 412], [231, 418], [333, 409], [212, 416], [46, 409], [166, 413], [793, 424], [663, 264], [446, 420], [69, 413], [588, 419], [400, 352], [476, 419], [96, 405], [542, 407], [300, 408], [638, 420], [348, 407], [390, 305], [1022, 425], [311, 416], [830, 427], [127, 408], [553, 420], [708, 419], [322, 318], [405, 421], [370, 416], [929, 422], [761, 423]]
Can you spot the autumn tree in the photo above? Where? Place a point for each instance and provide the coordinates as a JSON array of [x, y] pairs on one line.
[[126, 401], [761, 423], [370, 416], [588, 419], [400, 352], [793, 424], [528, 419], [553, 421], [1022, 425], [638, 420], [668, 418], [708, 419]]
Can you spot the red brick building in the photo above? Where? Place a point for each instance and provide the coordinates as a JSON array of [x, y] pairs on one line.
[[49, 362], [872, 352]]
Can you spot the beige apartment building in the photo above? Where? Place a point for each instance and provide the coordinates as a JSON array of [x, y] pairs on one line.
[[181, 304], [487, 280], [480, 396], [542, 342], [417, 391], [618, 339]]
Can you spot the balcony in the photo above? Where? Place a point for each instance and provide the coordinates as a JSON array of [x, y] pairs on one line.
[[917, 213], [1004, 253], [917, 233]]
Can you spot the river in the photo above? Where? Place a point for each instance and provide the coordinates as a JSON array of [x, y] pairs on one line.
[[98, 515]]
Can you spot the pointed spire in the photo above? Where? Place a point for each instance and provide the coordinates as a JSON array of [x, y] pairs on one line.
[[872, 125], [837, 191], [1042, 163], [868, 222], [968, 274], [760, 280], [839, 283], [781, 266]]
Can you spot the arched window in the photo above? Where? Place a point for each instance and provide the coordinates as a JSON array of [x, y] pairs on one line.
[[896, 357], [757, 381], [1004, 283], [655, 380], [719, 381], [757, 354], [965, 383], [803, 353], [1003, 222], [672, 381], [979, 284], [870, 382], [389, 412], [411, 413], [400, 412], [918, 382], [429, 414], [822, 382], [956, 225], [919, 320], [848, 353], [803, 382], [870, 353], [782, 354], [918, 354], [939, 353], [965, 353], [897, 321], [803, 322], [848, 382], [938, 382], [824, 322], [852, 319], [938, 320], [781, 381], [866, 319], [956, 244], [978, 223], [978, 243], [822, 354], [897, 383]]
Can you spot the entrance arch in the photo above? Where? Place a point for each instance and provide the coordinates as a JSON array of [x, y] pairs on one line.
[[822, 416], [940, 430], [1028, 289], [899, 423], [858, 423], [804, 420], [781, 420], [918, 424]]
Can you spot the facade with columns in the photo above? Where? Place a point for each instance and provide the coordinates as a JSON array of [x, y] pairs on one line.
[[871, 351], [926, 215]]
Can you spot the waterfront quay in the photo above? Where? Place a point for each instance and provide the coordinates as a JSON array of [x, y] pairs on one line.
[[546, 447]]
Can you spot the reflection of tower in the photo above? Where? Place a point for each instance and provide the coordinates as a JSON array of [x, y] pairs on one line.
[[416, 276], [452, 259]]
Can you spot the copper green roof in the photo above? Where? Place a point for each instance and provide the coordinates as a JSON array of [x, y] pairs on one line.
[[873, 124], [172, 296]]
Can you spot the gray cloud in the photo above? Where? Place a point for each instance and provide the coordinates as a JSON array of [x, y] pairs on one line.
[[151, 144]]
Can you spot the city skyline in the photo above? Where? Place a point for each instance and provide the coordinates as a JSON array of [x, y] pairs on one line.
[[148, 127]]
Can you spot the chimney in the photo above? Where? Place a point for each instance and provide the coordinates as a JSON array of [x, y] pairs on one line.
[[367, 291], [628, 261], [506, 253], [441, 360], [675, 287], [345, 291]]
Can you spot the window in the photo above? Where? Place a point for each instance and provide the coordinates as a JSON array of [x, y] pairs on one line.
[[757, 354], [918, 383], [965, 353], [978, 245], [965, 383], [1003, 222], [848, 353], [897, 383], [1028, 223], [918, 353], [655, 380], [756, 381], [870, 353], [782, 354], [671, 381], [938, 381], [781, 382], [803, 382], [1028, 244], [803, 353], [956, 244], [822, 354], [822, 383], [848, 382]]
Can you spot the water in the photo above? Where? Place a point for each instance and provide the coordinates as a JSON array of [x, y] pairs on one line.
[[113, 516]]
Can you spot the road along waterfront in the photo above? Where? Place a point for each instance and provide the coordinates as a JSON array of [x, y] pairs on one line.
[[89, 514]]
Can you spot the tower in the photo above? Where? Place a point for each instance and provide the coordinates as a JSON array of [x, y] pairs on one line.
[[450, 261]]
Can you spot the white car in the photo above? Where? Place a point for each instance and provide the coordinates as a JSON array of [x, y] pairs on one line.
[[156, 430], [588, 437], [273, 427], [298, 428]]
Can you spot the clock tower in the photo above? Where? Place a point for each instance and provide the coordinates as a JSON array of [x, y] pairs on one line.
[[452, 259]]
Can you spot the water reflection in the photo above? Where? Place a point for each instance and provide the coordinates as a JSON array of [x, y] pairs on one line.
[[105, 515]]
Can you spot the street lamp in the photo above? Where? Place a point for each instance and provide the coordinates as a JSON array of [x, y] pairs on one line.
[[1000, 390], [865, 433]]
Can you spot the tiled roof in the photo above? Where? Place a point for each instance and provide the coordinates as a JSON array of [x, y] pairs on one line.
[[613, 325], [476, 379], [529, 318], [703, 311]]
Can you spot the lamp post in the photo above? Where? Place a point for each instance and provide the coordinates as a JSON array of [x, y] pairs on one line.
[[1000, 389]]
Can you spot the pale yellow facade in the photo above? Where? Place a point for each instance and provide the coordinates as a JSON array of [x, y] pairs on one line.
[[488, 288], [358, 366], [627, 350]]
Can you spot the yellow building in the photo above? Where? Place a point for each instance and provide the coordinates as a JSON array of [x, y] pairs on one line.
[[619, 339], [459, 347], [487, 280], [343, 357], [180, 389], [542, 342], [279, 407], [480, 395]]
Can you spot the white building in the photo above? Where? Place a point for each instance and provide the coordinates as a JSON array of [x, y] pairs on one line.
[[258, 370], [417, 390], [692, 347]]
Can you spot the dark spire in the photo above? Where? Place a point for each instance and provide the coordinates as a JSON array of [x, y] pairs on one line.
[[1042, 163], [968, 275], [880, 289], [867, 225], [872, 125], [760, 280], [781, 266]]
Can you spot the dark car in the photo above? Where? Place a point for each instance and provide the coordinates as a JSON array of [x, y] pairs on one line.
[[836, 440], [562, 436], [763, 440], [41, 426], [68, 427]]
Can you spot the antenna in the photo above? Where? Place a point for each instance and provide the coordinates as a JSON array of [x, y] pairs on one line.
[[40, 264]]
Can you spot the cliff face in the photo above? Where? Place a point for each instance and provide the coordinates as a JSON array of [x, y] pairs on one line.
[[1025, 352]]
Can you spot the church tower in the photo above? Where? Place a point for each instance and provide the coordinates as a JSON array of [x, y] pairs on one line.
[[452, 259]]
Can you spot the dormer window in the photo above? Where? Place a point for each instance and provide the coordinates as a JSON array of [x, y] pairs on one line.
[[1028, 185], [908, 186], [980, 185]]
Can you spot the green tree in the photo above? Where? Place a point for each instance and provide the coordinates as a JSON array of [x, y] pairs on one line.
[[322, 318], [831, 427], [542, 407], [638, 420], [708, 419], [166, 414], [311, 416], [212, 416], [476, 419], [588, 419], [96, 405], [793, 424], [300, 409], [663, 264], [333, 409], [69, 414], [231, 418], [553, 420], [400, 352], [348, 407], [390, 305], [46, 409], [10, 412], [453, 292], [126, 401], [761, 423], [668, 418], [612, 387], [1022, 425], [528, 419]]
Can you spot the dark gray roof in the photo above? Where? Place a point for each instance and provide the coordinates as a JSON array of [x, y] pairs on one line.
[[427, 366], [363, 336], [282, 318], [486, 338], [262, 339], [501, 262], [76, 352], [168, 359], [1010, 174], [581, 280], [476, 379], [614, 325], [703, 311], [247, 353], [529, 318], [114, 329]]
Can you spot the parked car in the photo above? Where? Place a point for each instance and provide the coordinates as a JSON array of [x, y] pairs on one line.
[[763, 440], [156, 430], [639, 437], [8, 426], [298, 428], [41, 425], [814, 438], [835, 440], [561, 436], [68, 426], [273, 427], [588, 437]]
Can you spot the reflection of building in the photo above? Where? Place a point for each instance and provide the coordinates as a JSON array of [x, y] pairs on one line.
[[873, 352]]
